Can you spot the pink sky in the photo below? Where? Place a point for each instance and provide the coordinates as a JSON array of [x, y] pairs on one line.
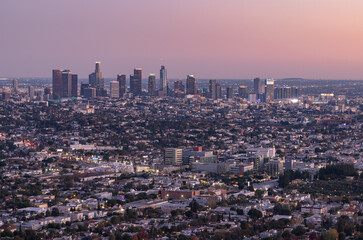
[[207, 38]]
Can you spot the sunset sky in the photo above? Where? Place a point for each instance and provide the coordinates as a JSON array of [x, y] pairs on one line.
[[207, 38]]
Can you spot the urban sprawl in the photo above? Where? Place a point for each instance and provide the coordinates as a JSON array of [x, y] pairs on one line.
[[182, 159]]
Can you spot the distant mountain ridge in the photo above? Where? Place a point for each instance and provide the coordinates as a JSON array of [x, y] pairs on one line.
[[292, 79]]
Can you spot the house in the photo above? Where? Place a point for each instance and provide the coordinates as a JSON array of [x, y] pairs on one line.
[[348, 211], [315, 209]]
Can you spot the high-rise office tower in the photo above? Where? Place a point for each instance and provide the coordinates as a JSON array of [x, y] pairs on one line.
[[90, 92], [163, 80], [97, 81], [294, 92], [151, 86], [74, 90], [218, 91], [191, 85], [31, 92], [212, 89], [179, 89], [57, 84], [229, 92], [287, 92], [122, 84], [66, 84], [92, 80], [259, 86], [114, 89], [15, 85], [270, 83], [242, 91], [179, 86], [136, 82], [83, 87], [279, 93], [47, 91], [6, 95]]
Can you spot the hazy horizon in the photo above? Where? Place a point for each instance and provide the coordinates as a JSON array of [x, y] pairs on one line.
[[85, 79], [210, 39]]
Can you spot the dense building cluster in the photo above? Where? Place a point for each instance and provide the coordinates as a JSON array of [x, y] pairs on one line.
[[261, 162], [65, 85]]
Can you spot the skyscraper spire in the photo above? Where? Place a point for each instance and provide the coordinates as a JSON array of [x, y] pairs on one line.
[[96, 80], [98, 67]]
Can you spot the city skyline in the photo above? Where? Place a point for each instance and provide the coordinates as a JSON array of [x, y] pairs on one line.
[[184, 120], [315, 40]]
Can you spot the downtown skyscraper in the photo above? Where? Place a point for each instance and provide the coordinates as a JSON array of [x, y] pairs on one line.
[[163, 80], [136, 82], [15, 85], [151, 86], [259, 86], [179, 86], [121, 78], [97, 81], [218, 91], [229, 92], [242, 91], [74, 89], [57, 83], [65, 84], [114, 89], [212, 89], [191, 86], [31, 92], [270, 92]]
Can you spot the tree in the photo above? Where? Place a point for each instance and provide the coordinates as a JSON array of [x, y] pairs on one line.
[[189, 214], [258, 193], [286, 235], [284, 179], [142, 234], [183, 237], [7, 233], [176, 212], [299, 230], [119, 236], [341, 236], [130, 214], [271, 192], [55, 212], [254, 213], [281, 210], [332, 234], [327, 222], [345, 225], [240, 211], [31, 235], [115, 220], [195, 206], [68, 182], [153, 232], [339, 171], [313, 236]]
